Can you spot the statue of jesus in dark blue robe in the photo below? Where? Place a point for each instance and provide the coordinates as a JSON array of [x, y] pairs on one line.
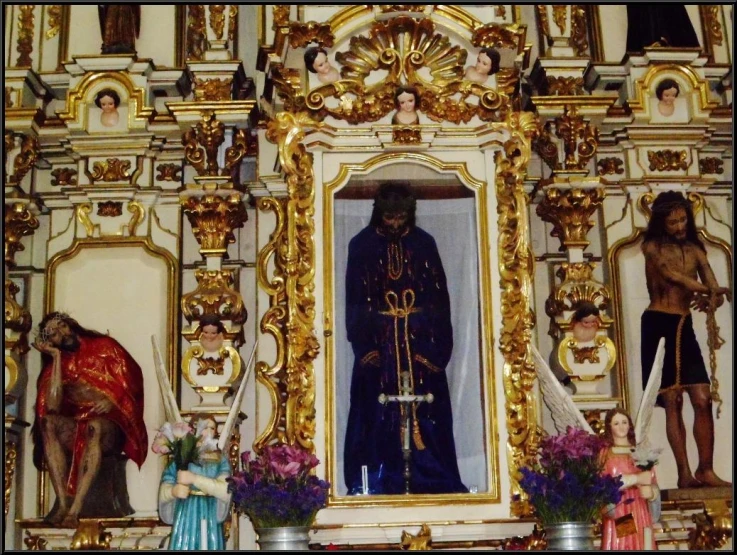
[[398, 320]]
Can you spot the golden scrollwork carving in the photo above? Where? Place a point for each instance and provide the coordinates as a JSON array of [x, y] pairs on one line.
[[547, 147], [417, 542], [580, 138], [213, 89], [565, 86], [214, 295], [17, 318], [534, 542], [217, 19], [53, 12], [291, 315], [493, 35], [584, 354], [169, 172], [667, 160], [559, 16], [232, 21], [712, 24], [711, 165], [213, 218], [26, 22], [515, 265], [577, 286], [611, 165], [579, 30], [302, 34], [569, 211], [64, 177], [19, 221], [11, 456], [390, 8], [139, 214], [201, 144], [90, 534], [110, 209], [82, 212], [281, 15], [196, 32], [542, 20], [111, 170], [34, 542], [25, 159], [406, 135], [214, 365], [707, 536]]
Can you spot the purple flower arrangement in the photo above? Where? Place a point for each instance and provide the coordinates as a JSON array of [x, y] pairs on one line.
[[566, 483], [277, 488]]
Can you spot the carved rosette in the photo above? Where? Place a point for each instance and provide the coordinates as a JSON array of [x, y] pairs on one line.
[[64, 177], [569, 211], [291, 315], [711, 165], [111, 170], [214, 295], [213, 218], [19, 221], [515, 265], [667, 160], [169, 172]]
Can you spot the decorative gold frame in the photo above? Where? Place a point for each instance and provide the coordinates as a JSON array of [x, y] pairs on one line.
[[642, 86], [460, 170]]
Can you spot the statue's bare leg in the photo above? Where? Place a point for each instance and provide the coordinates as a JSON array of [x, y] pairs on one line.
[[58, 435], [703, 432], [676, 432], [99, 432]]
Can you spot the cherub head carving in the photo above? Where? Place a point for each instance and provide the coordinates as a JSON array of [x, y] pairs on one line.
[[667, 91], [108, 101], [316, 61], [487, 64], [211, 334], [585, 322], [407, 101]]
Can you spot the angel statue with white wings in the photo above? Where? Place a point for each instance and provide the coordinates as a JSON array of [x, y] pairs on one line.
[[194, 496], [629, 524]]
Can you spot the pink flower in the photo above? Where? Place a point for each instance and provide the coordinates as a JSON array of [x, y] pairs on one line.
[[160, 445], [180, 430], [167, 431], [289, 470]]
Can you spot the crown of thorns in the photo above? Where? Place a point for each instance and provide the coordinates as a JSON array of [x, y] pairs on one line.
[[668, 207], [43, 333], [388, 205]]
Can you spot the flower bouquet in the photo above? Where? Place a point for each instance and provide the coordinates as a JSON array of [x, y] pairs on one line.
[[566, 483], [277, 488], [182, 444], [646, 457]]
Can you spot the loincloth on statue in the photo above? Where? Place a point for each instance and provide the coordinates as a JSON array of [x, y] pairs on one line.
[[683, 365]]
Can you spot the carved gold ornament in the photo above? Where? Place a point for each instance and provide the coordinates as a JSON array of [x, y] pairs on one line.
[[579, 30], [17, 318], [111, 170], [214, 295], [63, 177], [710, 533], [110, 209], [201, 144], [19, 221], [196, 32], [24, 160], [418, 542], [587, 354], [542, 20], [667, 160], [11, 456], [35, 542], [610, 166], [406, 135], [290, 317], [390, 8], [493, 35], [25, 35], [217, 19], [302, 34], [232, 23], [213, 89], [711, 165], [169, 172], [213, 220], [565, 86], [281, 15], [580, 138], [215, 365], [54, 12], [559, 16], [569, 211], [577, 286], [500, 11], [712, 24], [515, 265], [90, 534]]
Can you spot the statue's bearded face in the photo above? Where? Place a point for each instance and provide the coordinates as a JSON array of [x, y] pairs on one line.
[[394, 223], [60, 335]]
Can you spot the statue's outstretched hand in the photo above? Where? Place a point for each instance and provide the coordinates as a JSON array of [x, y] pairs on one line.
[[46, 348]]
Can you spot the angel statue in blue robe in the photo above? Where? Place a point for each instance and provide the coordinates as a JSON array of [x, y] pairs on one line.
[[399, 326]]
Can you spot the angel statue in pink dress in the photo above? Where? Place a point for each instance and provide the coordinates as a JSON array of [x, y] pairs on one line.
[[628, 525]]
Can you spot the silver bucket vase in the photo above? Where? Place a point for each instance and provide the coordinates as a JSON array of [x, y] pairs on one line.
[[284, 538], [570, 536]]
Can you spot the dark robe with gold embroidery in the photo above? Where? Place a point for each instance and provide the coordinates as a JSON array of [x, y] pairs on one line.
[[100, 363], [398, 319]]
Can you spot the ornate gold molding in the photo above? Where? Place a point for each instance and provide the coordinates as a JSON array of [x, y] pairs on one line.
[[214, 295], [169, 172], [291, 316], [111, 170], [406, 135], [19, 221], [217, 19], [565, 86], [11, 456], [542, 20], [712, 24], [569, 211], [418, 542], [196, 32], [580, 138], [577, 285], [281, 15], [493, 35], [667, 160], [611, 165], [201, 144], [63, 177], [34, 542], [712, 531], [515, 265], [110, 209], [54, 13], [213, 89], [213, 218], [302, 34], [559, 16], [26, 22], [579, 30], [232, 21], [711, 165], [17, 318], [24, 160], [90, 534]]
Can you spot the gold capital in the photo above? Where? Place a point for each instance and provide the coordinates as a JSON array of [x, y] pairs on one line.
[[569, 211], [213, 218]]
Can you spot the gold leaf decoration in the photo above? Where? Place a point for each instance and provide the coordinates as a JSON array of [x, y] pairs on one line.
[[559, 16], [196, 32], [565, 86], [214, 295], [569, 211], [667, 160], [169, 172], [19, 222], [214, 218], [111, 170], [580, 138], [712, 23], [25, 159], [54, 12], [110, 209], [25, 35], [201, 144], [302, 34], [213, 89], [611, 165], [406, 135], [579, 30], [711, 165], [63, 177], [542, 19], [232, 21], [493, 35], [217, 20]]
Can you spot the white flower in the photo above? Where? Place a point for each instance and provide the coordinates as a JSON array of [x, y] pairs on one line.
[[646, 456], [167, 431]]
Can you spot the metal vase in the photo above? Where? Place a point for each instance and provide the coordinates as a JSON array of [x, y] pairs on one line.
[[284, 538], [570, 536]]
